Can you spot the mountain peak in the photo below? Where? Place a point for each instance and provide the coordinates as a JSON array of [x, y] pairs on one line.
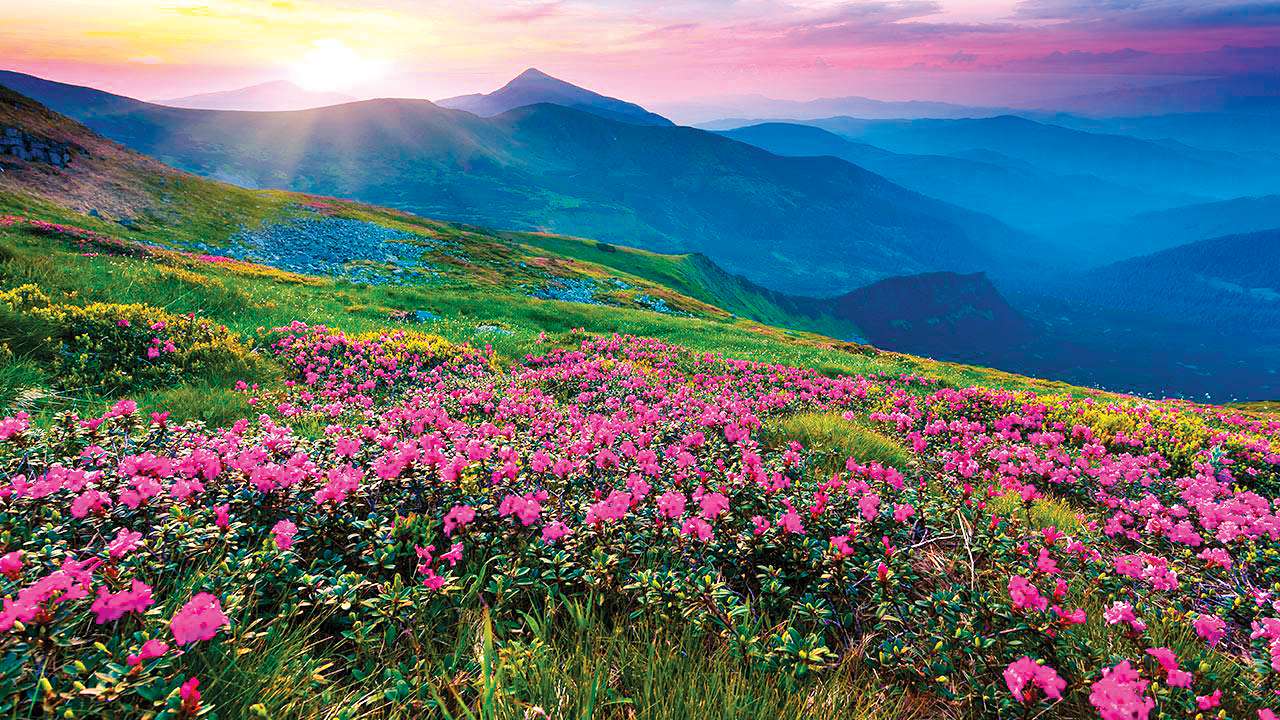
[[533, 74], [534, 87], [273, 95]]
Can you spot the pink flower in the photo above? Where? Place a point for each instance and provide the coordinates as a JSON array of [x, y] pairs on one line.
[[150, 650], [554, 531], [199, 619], [122, 408], [109, 607], [1046, 564], [1210, 628], [220, 517], [454, 555], [713, 504], [1174, 675], [1025, 671], [284, 532], [869, 506], [1119, 695], [11, 564], [1209, 702], [790, 523], [525, 507], [671, 504], [125, 542], [190, 695], [431, 580], [1026, 596], [458, 517], [1123, 612], [14, 425], [903, 512], [347, 447], [697, 527]]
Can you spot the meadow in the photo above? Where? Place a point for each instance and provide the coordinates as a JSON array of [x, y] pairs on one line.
[[234, 491]]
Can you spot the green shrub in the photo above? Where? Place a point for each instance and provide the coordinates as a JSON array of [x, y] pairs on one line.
[[108, 348]]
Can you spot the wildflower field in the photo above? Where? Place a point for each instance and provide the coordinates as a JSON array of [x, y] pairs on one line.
[[418, 528]]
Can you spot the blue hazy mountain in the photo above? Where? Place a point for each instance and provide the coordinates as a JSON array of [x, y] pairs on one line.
[[1019, 193], [268, 96]]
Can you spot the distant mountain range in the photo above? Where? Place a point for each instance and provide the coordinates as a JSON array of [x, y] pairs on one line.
[[1245, 93], [808, 226], [1237, 132], [1158, 230], [265, 97], [1167, 167], [533, 87], [1021, 194], [712, 114]]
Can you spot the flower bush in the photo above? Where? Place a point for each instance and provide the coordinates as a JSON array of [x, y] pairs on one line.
[[396, 485], [109, 347]]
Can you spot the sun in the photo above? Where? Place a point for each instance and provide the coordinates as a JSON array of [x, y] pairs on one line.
[[331, 65]]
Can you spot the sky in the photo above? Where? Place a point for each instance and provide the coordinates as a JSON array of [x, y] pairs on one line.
[[974, 51]]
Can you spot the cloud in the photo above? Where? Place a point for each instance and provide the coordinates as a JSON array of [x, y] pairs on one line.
[[1152, 14], [877, 22], [529, 13], [666, 31], [1243, 15], [1227, 60], [1074, 9]]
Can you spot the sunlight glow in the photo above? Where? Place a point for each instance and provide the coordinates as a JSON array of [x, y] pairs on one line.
[[331, 65]]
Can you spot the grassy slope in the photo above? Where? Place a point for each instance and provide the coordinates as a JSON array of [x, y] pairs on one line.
[[696, 276], [484, 286], [484, 279]]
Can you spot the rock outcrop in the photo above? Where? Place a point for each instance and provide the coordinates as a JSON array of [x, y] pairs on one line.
[[33, 148]]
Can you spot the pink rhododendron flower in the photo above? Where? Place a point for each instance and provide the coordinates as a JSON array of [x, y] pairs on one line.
[[1122, 612], [113, 606], [1210, 701], [150, 650], [1211, 628], [11, 564], [713, 504], [284, 532], [697, 527], [553, 531], [199, 619], [190, 696], [1175, 676], [125, 542], [1120, 694], [1026, 596], [671, 504], [1024, 671], [458, 517]]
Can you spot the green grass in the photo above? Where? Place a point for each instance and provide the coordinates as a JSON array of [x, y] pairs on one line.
[[1044, 512], [571, 663], [697, 277], [832, 439]]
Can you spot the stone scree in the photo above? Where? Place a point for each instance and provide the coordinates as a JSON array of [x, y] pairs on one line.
[[25, 146]]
